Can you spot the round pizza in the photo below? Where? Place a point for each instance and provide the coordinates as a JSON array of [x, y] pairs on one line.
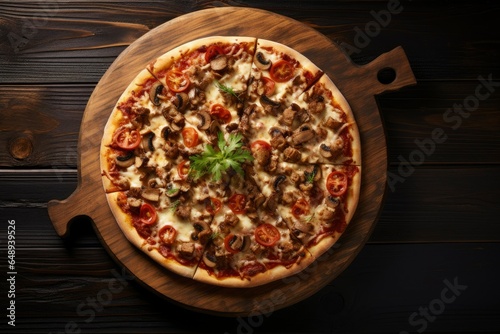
[[234, 161]]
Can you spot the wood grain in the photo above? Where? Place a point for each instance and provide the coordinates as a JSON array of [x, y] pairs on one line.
[[232, 21]]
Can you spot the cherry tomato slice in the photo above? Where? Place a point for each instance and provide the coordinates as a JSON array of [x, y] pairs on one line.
[[221, 113], [177, 81], [183, 169], [190, 137], [269, 85], [167, 234], [228, 241], [237, 203], [212, 52], [262, 144], [301, 207], [127, 139], [336, 183], [267, 235], [213, 205], [147, 214], [281, 71]]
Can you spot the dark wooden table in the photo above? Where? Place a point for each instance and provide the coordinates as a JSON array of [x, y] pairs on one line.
[[432, 263]]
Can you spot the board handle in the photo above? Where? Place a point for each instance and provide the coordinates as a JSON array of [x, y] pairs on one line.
[[388, 72], [63, 213]]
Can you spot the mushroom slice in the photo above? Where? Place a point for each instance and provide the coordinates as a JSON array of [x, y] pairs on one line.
[[325, 151], [302, 137], [172, 190], [266, 101], [210, 259], [261, 62], [154, 92], [278, 181], [180, 101], [205, 120], [147, 141], [151, 194], [125, 160], [219, 63]]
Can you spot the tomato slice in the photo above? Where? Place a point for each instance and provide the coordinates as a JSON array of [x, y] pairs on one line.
[[336, 183], [237, 203], [147, 214], [221, 113], [167, 234], [260, 144], [212, 52], [183, 169], [177, 81], [281, 71], [269, 85], [127, 139], [228, 241], [190, 137], [301, 207], [267, 235], [213, 205]]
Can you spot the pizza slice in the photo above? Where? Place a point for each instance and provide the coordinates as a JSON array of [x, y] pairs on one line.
[[248, 246], [316, 201], [279, 75], [206, 81]]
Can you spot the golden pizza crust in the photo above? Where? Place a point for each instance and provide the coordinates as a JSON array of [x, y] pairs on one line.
[[271, 275]]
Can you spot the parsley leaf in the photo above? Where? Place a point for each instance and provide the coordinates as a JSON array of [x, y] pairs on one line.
[[226, 89], [215, 162]]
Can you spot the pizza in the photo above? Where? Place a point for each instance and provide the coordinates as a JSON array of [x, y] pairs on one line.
[[233, 161]]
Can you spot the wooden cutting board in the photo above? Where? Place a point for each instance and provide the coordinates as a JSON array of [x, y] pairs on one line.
[[359, 84]]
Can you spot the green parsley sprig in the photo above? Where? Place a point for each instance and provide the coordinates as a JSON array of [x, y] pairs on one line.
[[226, 89], [212, 161]]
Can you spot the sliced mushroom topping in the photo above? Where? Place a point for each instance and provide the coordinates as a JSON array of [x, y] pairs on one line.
[[134, 202], [147, 141], [278, 142], [325, 151], [258, 201], [172, 190], [139, 161], [332, 202], [204, 236], [301, 137], [205, 120], [165, 133], [266, 101], [219, 63], [278, 181], [151, 194], [155, 90], [177, 124], [239, 242], [261, 62], [271, 202], [180, 101], [125, 160], [210, 259]]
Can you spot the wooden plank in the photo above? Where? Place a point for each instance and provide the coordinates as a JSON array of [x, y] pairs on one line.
[[76, 42], [378, 293], [455, 204], [50, 116]]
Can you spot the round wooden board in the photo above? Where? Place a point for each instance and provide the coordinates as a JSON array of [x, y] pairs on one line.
[[359, 85]]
